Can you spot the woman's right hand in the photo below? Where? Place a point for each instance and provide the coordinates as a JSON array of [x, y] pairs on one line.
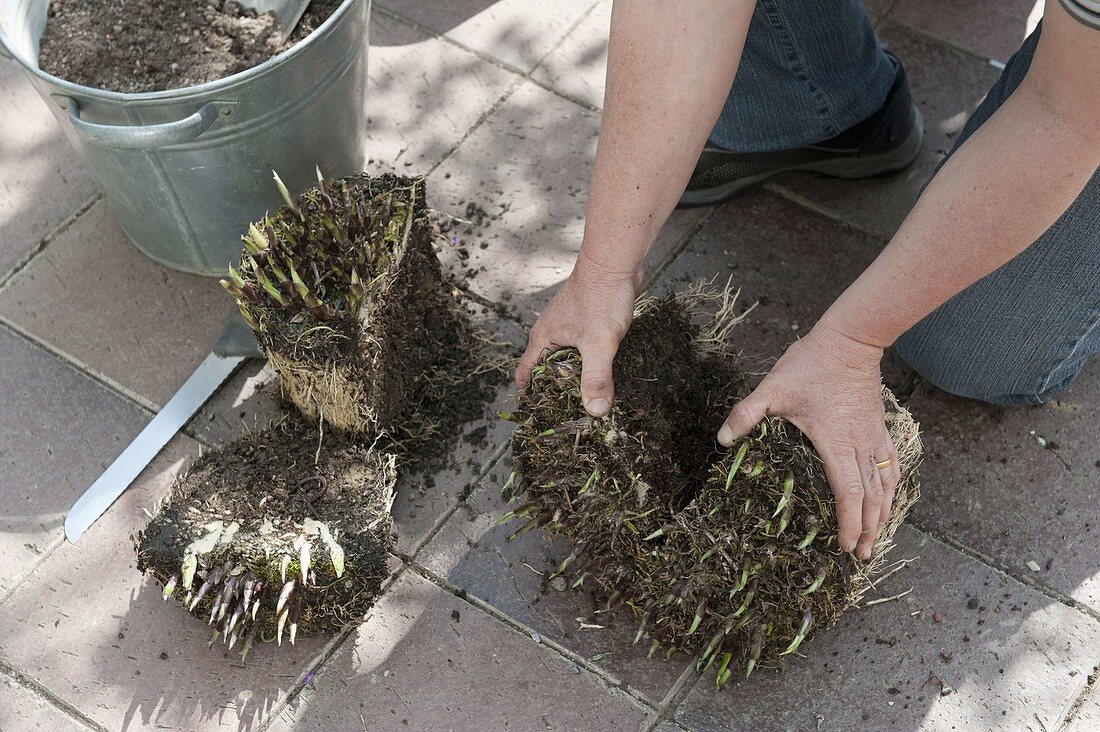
[[591, 313]]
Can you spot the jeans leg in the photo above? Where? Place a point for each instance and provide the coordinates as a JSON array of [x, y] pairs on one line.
[[809, 71], [1023, 332]]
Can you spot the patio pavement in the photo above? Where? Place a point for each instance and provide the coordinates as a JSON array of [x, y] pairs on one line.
[[499, 103]]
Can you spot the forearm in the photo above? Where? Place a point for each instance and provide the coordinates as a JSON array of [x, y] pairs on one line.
[[669, 70], [996, 195]]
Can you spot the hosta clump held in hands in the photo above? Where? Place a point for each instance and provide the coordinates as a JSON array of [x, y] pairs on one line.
[[270, 537], [346, 297], [729, 554]]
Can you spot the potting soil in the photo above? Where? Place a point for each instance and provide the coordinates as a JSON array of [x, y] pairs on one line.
[[141, 46]]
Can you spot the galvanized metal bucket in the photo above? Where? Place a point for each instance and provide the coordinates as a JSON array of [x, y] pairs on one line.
[[185, 170]]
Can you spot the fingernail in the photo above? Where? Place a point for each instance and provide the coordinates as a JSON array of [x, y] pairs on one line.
[[598, 407], [852, 546], [725, 436]]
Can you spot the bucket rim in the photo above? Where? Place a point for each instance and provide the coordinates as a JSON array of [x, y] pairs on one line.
[[176, 93]]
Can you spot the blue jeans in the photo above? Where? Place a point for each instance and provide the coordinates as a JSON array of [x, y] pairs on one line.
[[1017, 336]]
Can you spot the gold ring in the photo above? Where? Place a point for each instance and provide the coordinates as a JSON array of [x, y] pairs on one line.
[[884, 464]]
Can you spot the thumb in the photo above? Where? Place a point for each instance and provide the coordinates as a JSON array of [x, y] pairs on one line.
[[597, 385], [536, 345], [745, 415]]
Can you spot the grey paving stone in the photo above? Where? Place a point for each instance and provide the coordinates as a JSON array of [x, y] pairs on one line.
[[424, 497], [93, 295], [21, 709], [248, 402], [423, 95], [516, 32], [947, 85], [473, 552], [42, 181], [91, 629], [991, 484], [58, 432], [527, 167], [578, 66], [968, 648], [427, 660], [994, 30]]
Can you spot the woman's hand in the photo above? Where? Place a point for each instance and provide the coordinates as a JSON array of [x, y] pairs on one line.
[[829, 386], [592, 313]]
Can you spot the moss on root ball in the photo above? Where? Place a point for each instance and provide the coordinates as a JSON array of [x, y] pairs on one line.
[[271, 536], [730, 554]]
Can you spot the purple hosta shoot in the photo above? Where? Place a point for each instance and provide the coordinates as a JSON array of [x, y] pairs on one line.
[[294, 614]]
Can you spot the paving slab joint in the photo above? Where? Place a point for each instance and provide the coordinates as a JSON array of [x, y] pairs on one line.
[[524, 76], [610, 681], [1079, 702], [316, 665], [815, 208], [659, 269], [40, 691], [55, 543], [496, 307], [460, 499], [679, 691], [1000, 568], [391, 14], [886, 13], [47, 239], [941, 41]]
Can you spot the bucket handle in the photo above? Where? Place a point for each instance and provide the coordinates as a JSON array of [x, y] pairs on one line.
[[145, 137]]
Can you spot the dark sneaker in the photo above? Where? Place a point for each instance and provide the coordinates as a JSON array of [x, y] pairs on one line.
[[885, 142]]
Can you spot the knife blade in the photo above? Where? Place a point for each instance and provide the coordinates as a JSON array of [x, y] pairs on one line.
[[235, 346]]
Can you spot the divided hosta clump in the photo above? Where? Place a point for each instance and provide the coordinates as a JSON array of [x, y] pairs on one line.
[[728, 554], [345, 294], [287, 530], [268, 535]]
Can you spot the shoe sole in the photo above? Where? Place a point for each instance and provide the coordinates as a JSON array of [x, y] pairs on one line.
[[868, 166]]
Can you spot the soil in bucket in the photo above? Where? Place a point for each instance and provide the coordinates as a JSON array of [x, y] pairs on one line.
[[730, 554], [379, 364], [141, 46]]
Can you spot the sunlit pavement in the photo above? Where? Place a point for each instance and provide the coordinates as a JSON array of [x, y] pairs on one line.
[[499, 104]]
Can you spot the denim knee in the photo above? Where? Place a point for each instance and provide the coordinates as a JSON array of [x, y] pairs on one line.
[[945, 359]]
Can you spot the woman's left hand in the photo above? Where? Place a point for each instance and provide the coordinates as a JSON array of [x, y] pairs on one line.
[[829, 385]]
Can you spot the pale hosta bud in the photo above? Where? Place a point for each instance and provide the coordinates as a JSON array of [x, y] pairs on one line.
[[169, 587], [304, 561], [285, 194], [284, 595], [190, 564]]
